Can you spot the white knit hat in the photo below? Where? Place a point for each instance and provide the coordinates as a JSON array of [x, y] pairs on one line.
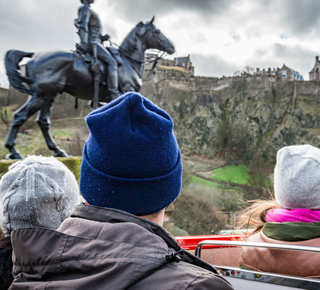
[[37, 192], [297, 177]]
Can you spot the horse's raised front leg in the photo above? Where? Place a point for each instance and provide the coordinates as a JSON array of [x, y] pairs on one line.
[[19, 118], [44, 124]]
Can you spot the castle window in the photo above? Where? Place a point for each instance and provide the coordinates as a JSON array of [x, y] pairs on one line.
[[284, 73]]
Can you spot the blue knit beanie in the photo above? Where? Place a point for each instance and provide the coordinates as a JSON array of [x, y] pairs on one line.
[[131, 160]]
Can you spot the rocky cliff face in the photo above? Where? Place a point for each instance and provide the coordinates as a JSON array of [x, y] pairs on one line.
[[253, 111]]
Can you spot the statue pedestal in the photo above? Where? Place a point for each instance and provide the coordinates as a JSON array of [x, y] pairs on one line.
[[73, 163]]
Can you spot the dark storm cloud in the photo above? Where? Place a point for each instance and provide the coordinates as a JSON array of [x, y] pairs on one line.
[[300, 17], [283, 17], [144, 9]]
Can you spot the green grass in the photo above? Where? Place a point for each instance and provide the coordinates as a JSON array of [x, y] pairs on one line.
[[62, 133], [198, 180], [34, 143], [234, 174]]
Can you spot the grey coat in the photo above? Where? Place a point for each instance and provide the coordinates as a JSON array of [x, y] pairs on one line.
[[99, 248]]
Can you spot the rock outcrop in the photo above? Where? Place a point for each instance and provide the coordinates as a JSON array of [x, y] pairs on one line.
[[265, 114]]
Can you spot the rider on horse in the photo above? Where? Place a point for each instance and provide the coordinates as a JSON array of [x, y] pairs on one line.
[[89, 30]]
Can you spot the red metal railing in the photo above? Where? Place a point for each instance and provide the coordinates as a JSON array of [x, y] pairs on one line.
[[191, 242]]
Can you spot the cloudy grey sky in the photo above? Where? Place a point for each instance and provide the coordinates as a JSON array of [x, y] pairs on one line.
[[221, 36]]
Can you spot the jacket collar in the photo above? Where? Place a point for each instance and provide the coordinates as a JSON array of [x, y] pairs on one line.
[[111, 215]]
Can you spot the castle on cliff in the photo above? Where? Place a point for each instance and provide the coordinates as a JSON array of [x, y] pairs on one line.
[[180, 72], [275, 74]]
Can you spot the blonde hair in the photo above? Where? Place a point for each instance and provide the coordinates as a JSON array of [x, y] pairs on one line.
[[254, 217]]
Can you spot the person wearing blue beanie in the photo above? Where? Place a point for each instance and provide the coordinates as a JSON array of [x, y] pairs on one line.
[[131, 171], [131, 160]]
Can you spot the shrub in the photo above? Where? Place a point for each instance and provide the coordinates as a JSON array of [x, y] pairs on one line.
[[234, 143], [196, 216]]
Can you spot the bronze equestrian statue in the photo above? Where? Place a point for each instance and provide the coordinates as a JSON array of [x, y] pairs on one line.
[[51, 72]]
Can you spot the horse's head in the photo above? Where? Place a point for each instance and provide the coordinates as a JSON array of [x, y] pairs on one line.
[[154, 38], [144, 36]]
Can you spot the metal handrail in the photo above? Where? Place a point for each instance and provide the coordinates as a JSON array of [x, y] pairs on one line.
[[254, 244], [293, 282]]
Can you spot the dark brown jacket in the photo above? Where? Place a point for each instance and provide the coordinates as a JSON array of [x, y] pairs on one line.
[[100, 248], [296, 263]]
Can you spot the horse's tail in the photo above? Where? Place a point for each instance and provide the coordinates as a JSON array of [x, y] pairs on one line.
[[12, 59]]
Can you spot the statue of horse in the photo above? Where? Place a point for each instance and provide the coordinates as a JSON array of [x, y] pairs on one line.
[[51, 72]]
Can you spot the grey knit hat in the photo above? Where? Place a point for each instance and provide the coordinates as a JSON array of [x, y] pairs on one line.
[[297, 177], [37, 192]]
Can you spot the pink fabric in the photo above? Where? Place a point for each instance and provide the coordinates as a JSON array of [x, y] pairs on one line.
[[304, 215]]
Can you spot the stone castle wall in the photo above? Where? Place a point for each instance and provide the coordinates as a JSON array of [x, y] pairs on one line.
[[273, 114]]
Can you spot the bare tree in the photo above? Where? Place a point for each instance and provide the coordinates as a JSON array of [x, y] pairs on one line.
[[248, 69]]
